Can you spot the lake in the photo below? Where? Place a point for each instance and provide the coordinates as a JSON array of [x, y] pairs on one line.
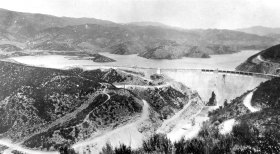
[[226, 61]]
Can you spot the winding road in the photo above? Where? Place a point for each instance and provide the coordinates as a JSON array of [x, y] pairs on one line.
[[127, 134], [247, 102], [18, 147], [227, 125]]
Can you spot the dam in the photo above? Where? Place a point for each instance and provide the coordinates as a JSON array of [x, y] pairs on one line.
[[225, 82], [227, 85]]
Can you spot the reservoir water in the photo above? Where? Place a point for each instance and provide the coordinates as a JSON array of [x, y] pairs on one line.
[[226, 61]]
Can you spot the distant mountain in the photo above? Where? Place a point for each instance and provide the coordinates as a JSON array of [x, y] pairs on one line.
[[26, 25], [260, 30], [266, 61], [9, 48], [128, 39], [147, 23], [45, 32]]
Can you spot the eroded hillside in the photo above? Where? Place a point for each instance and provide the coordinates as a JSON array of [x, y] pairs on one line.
[[46, 109], [247, 124]]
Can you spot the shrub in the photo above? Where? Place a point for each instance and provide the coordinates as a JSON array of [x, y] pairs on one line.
[[195, 146], [158, 143], [123, 149], [107, 149], [66, 150]]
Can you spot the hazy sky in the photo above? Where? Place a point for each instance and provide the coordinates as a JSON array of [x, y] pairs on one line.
[[227, 14]]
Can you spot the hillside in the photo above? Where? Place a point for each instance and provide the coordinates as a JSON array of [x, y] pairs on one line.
[[233, 128], [260, 125], [47, 109], [9, 48], [150, 40], [25, 25], [266, 61], [43, 101], [260, 30]]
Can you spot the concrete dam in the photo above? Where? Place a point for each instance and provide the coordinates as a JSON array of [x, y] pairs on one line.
[[224, 84], [227, 85]]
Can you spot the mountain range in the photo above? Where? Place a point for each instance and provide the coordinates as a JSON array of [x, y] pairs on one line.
[[148, 39], [260, 30]]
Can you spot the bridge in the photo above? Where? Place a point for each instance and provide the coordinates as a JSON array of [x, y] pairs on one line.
[[228, 72]]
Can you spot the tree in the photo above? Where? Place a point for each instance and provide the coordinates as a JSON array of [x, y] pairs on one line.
[[158, 143], [66, 150], [108, 149], [225, 102], [123, 149]]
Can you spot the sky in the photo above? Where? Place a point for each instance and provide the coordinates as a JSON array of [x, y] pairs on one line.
[[224, 14]]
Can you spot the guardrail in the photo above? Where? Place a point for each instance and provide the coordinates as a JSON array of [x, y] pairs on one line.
[[184, 69], [241, 73]]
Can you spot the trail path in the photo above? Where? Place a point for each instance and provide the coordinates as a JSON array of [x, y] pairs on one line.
[[226, 126], [247, 102], [127, 134], [259, 57], [14, 146], [139, 86]]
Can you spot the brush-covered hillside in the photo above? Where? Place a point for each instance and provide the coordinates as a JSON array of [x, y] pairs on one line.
[[48, 109], [247, 124], [266, 61]]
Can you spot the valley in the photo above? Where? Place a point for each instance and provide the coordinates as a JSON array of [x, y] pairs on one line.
[[166, 102]]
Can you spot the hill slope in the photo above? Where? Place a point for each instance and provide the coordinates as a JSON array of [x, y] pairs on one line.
[[46, 109], [260, 30], [266, 61], [26, 25], [234, 128], [150, 41]]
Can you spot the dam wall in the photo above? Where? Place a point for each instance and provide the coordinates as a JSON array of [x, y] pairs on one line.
[[225, 85]]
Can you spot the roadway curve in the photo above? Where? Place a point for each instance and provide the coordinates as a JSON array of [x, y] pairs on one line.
[[18, 147], [127, 134], [247, 102]]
